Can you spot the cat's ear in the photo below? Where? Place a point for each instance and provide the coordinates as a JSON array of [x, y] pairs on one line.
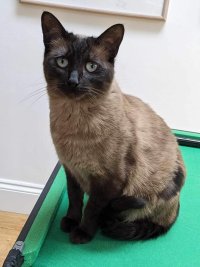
[[110, 40], [51, 27]]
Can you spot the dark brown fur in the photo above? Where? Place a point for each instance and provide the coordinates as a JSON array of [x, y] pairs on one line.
[[114, 147]]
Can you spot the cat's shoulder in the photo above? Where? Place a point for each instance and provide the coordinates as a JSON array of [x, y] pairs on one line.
[[132, 99], [134, 102]]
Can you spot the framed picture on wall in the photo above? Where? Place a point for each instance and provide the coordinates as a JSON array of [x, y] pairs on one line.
[[152, 9]]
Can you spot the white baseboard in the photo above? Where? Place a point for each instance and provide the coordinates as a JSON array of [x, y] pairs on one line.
[[18, 196]]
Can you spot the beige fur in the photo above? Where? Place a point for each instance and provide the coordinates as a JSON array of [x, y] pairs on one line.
[[91, 136]]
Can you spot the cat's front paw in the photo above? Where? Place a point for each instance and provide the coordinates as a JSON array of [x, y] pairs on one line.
[[68, 224], [79, 236]]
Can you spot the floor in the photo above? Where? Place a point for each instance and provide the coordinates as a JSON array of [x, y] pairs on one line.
[[10, 227]]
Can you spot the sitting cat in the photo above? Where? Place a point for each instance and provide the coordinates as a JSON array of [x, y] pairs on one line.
[[113, 146]]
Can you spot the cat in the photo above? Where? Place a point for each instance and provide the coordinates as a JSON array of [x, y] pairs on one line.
[[113, 146]]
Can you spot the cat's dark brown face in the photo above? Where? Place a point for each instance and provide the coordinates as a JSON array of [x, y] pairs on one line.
[[79, 67]]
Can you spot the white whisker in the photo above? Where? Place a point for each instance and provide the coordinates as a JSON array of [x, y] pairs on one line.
[[38, 99], [33, 94]]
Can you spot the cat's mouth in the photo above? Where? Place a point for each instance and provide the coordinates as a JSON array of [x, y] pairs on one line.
[[79, 92], [73, 93]]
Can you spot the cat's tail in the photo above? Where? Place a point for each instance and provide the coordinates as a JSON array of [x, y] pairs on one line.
[[137, 230]]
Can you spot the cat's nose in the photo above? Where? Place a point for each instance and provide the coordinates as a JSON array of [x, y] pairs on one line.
[[73, 79]]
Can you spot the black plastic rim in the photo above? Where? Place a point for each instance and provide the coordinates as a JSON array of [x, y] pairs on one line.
[[38, 204]]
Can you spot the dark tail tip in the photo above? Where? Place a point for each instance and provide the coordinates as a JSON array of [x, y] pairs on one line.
[[137, 230]]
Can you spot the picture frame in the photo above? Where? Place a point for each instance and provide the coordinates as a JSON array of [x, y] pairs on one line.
[[150, 9]]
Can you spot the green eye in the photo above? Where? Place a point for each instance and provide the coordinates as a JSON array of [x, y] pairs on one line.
[[90, 66], [62, 62]]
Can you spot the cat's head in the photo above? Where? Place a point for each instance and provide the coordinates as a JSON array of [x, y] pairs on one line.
[[75, 66]]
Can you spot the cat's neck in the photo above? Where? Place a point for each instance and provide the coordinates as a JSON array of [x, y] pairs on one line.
[[82, 118]]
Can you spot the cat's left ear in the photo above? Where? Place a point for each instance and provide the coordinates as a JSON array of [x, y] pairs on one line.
[[110, 40], [51, 27]]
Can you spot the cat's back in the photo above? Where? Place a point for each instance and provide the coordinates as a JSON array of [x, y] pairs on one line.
[[135, 105], [155, 141], [145, 119]]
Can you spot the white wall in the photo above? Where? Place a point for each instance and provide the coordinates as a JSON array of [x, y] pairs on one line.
[[159, 62]]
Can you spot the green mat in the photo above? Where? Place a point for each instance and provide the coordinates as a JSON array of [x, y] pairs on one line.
[[179, 247], [186, 134]]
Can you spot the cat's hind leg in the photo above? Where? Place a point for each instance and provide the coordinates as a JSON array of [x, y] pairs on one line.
[[118, 227]]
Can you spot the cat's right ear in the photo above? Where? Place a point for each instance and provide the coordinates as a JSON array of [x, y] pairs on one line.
[[51, 27]]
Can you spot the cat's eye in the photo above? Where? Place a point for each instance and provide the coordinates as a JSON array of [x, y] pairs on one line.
[[90, 66], [62, 62]]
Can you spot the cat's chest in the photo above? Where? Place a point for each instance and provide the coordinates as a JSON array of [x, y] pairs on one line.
[[73, 148], [80, 158], [77, 133], [77, 147]]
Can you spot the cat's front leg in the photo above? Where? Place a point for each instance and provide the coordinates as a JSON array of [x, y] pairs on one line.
[[74, 212], [100, 196]]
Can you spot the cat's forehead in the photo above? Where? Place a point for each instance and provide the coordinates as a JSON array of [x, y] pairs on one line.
[[71, 44], [79, 47], [81, 43]]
